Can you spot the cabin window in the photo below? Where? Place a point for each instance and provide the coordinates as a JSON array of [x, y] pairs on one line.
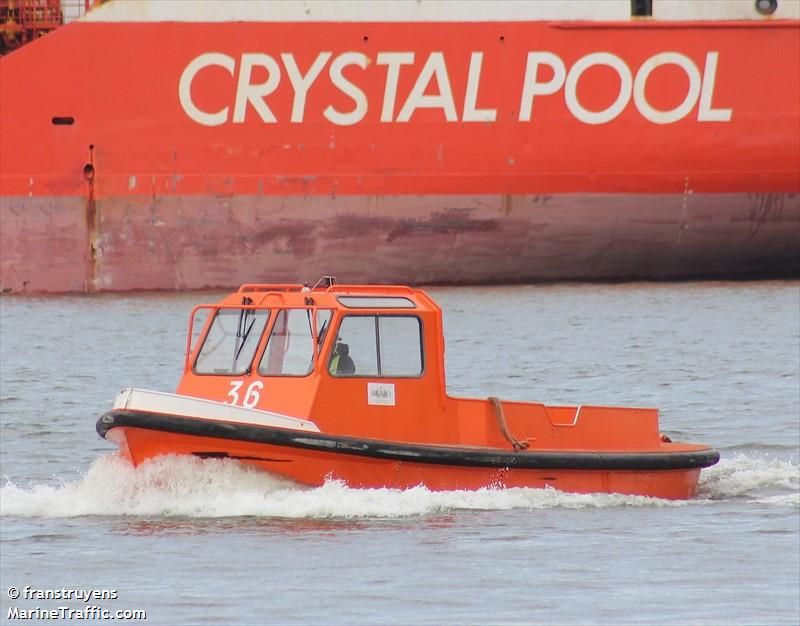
[[388, 346], [376, 302], [231, 341], [290, 348], [198, 325]]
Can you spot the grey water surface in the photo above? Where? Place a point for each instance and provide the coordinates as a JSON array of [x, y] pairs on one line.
[[211, 542]]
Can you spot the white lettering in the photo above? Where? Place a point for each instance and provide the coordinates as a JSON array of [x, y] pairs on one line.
[[532, 88], [185, 87], [393, 61], [571, 87], [348, 88], [705, 112], [254, 94], [648, 111], [233, 393], [253, 394], [432, 88], [471, 114], [417, 99], [301, 84]]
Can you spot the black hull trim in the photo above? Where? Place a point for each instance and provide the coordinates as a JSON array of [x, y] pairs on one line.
[[407, 452]]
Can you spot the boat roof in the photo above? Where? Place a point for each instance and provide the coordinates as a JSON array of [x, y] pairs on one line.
[[362, 297]]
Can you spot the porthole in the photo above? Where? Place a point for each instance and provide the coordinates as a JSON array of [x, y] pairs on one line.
[[766, 7]]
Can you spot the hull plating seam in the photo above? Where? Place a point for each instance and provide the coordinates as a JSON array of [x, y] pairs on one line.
[[410, 453]]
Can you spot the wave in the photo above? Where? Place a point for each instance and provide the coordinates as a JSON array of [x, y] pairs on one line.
[[756, 477], [191, 487]]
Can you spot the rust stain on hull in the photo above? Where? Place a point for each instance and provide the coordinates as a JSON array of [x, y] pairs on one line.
[[194, 242], [766, 207], [91, 225]]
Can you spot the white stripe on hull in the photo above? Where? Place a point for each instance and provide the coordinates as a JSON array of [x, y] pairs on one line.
[[425, 10], [186, 406]]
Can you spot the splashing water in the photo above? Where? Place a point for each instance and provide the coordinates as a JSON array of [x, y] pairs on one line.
[[755, 478], [192, 487]]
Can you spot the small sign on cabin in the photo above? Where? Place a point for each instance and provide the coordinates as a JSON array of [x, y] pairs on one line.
[[380, 393]]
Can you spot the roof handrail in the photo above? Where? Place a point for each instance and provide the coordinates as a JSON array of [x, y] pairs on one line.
[[326, 282], [257, 287]]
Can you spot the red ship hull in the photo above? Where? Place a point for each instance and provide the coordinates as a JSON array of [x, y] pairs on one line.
[[172, 156]]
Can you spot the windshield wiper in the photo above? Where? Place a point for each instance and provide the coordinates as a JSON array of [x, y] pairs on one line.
[[245, 335], [321, 334], [243, 331]]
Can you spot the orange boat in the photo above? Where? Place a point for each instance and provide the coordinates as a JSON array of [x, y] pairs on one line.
[[347, 382]]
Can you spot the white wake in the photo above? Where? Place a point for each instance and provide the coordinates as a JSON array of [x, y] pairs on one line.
[[193, 487]]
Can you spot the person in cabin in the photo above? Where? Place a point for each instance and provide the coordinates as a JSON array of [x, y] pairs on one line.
[[341, 363]]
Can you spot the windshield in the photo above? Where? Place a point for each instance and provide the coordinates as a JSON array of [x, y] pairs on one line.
[[231, 341], [290, 350]]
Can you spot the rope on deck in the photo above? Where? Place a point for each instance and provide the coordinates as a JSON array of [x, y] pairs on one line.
[[503, 426]]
